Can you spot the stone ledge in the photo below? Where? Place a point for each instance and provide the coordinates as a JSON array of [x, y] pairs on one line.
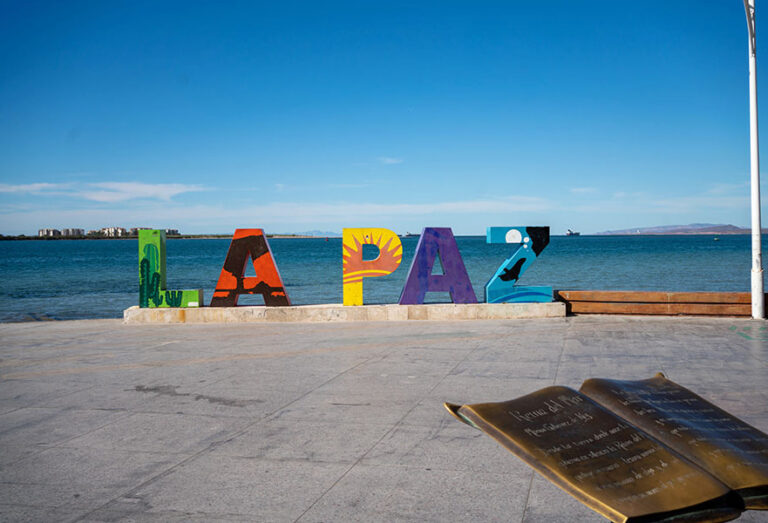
[[337, 312]]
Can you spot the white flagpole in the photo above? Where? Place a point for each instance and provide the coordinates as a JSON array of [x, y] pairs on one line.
[[758, 299]]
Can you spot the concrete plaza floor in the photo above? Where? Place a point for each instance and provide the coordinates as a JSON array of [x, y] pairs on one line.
[[102, 421]]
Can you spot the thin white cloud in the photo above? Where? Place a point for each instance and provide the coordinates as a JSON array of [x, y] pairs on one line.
[[32, 188], [733, 197], [120, 191], [583, 190], [221, 218], [289, 211], [105, 192], [156, 204], [716, 197], [348, 185], [686, 204], [469, 216], [388, 160], [729, 188]]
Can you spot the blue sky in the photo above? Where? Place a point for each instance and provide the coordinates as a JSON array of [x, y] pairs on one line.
[[201, 116]]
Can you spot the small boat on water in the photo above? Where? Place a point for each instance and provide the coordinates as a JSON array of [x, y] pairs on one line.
[[572, 233]]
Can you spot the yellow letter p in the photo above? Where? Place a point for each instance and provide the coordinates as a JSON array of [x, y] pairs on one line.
[[355, 268]]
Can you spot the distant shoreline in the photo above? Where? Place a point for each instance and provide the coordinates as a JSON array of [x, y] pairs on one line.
[[677, 230], [306, 237], [703, 233], [221, 236], [22, 237]]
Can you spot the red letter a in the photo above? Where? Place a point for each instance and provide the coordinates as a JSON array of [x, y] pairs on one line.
[[232, 281]]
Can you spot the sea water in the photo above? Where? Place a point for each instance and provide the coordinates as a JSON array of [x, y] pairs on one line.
[[75, 279]]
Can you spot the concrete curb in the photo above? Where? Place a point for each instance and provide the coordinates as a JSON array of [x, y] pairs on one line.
[[338, 313]]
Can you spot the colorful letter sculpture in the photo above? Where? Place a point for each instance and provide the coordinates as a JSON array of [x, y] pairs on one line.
[[232, 280], [434, 242], [355, 268], [502, 287], [152, 273]]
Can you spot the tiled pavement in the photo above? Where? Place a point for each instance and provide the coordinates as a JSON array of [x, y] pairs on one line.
[[101, 421]]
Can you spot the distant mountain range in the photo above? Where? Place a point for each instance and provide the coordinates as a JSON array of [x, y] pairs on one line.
[[692, 228], [320, 234]]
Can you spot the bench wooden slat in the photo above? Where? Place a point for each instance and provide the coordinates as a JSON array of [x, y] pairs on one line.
[[656, 297], [693, 309]]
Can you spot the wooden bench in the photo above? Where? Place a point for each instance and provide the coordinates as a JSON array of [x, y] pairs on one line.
[[657, 303]]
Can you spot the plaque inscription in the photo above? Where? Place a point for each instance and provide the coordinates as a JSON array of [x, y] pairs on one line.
[[722, 444]]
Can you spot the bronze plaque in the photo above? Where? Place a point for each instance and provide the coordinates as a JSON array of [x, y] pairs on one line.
[[720, 443], [601, 459]]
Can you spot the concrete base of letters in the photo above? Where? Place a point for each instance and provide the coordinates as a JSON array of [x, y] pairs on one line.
[[337, 312]]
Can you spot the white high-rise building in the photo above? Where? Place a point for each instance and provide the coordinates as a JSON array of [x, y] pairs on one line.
[[114, 232]]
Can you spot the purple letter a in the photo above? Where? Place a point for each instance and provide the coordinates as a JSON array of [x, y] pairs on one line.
[[437, 241]]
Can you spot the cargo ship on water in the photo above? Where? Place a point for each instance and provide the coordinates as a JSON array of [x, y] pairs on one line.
[[572, 233]]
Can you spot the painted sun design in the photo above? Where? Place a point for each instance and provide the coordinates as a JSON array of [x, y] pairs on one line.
[[390, 254]]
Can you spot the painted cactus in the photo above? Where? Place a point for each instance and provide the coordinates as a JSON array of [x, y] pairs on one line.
[[149, 278], [152, 291]]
